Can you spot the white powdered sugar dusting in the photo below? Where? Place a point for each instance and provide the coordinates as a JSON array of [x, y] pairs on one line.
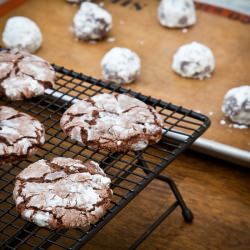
[[194, 60], [22, 33], [24, 75], [236, 105], [15, 86], [176, 13], [120, 65], [72, 196], [238, 126], [91, 22], [222, 122], [111, 121], [19, 132]]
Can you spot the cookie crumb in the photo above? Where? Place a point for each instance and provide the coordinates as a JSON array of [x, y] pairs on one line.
[[185, 30], [238, 126], [111, 39], [210, 113], [92, 42], [222, 122]]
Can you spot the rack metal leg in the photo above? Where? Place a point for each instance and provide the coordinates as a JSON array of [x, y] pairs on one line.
[[186, 212], [154, 225]]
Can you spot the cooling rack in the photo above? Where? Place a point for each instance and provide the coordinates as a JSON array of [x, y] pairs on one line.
[[130, 172]]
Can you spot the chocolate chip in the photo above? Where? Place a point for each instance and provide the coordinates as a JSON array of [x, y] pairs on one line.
[[183, 21]]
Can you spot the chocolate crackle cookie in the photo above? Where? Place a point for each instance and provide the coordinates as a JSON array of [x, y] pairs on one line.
[[62, 193], [23, 75], [91, 22], [121, 66], [236, 105], [114, 122], [176, 13], [20, 134], [22, 33], [194, 60]]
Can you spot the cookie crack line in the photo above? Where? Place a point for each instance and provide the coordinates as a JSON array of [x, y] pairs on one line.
[[20, 134], [97, 127], [44, 84], [75, 202], [34, 74]]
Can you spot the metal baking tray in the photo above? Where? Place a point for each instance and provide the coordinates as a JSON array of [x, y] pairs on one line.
[[130, 172]]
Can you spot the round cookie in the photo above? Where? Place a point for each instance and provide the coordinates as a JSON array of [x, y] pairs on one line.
[[194, 60], [22, 33], [236, 105], [20, 134], [62, 193], [115, 122], [23, 75], [120, 65], [176, 13], [91, 22]]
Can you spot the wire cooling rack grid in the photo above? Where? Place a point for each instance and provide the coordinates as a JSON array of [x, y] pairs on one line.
[[130, 172]]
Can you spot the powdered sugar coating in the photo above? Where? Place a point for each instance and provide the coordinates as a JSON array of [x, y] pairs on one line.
[[22, 33], [115, 122], [120, 65], [176, 13], [20, 134], [194, 60], [62, 193], [23, 75], [236, 105], [91, 22]]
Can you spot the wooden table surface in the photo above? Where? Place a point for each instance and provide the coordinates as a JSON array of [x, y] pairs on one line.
[[216, 191]]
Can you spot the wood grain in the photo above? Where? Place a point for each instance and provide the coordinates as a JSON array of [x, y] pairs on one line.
[[217, 193], [140, 31]]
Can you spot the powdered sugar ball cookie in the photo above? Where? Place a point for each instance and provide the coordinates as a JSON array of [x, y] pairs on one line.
[[91, 22], [120, 65], [62, 193], [20, 134], [176, 13], [23, 75], [23, 34], [114, 122], [236, 105], [194, 60]]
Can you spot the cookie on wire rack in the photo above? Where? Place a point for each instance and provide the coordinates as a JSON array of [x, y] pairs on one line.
[[20, 135], [23, 76], [115, 122], [62, 193]]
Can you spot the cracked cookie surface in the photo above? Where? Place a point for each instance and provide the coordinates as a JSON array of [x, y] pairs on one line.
[[20, 134], [115, 122], [23, 76], [62, 193]]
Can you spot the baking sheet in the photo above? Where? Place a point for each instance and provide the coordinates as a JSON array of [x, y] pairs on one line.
[[140, 31]]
